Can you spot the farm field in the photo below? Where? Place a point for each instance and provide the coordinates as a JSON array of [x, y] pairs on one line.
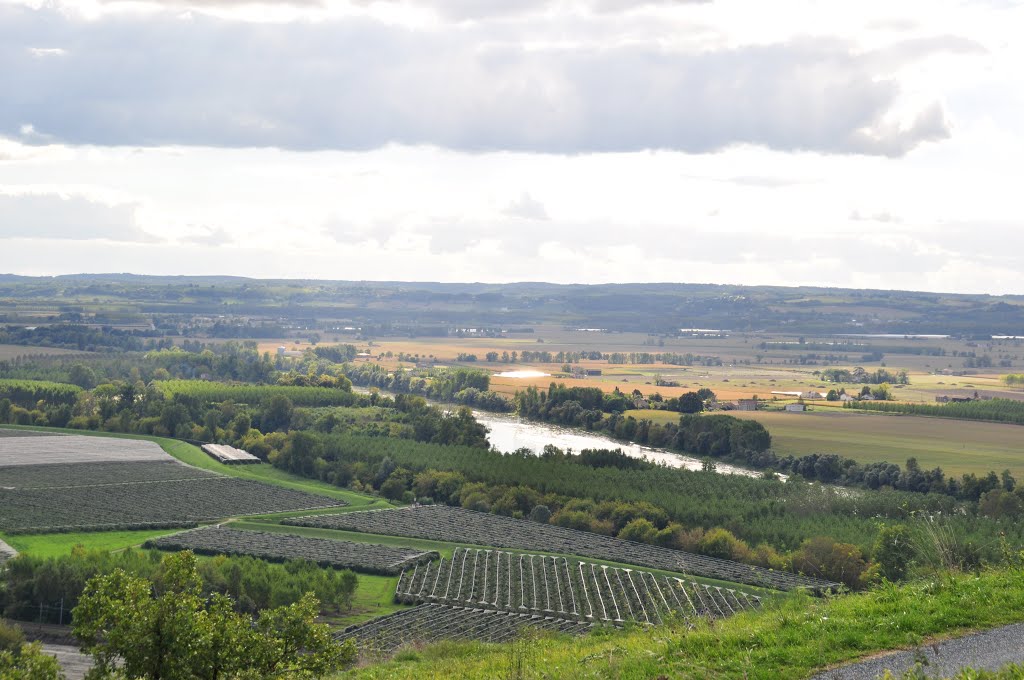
[[146, 505], [957, 446], [54, 545], [557, 587], [365, 557], [427, 623], [457, 525], [192, 455], [147, 497], [751, 363], [447, 548], [8, 352]]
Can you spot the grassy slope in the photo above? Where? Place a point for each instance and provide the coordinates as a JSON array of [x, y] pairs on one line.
[[957, 446], [791, 639], [52, 545]]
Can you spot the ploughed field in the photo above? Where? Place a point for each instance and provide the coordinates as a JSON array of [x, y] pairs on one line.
[[549, 586], [457, 525], [364, 557], [75, 483]]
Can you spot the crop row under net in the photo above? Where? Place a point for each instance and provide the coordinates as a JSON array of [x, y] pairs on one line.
[[435, 622], [146, 504], [366, 557], [90, 474], [457, 525], [547, 585]]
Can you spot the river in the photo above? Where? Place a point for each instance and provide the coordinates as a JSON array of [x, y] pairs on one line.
[[508, 433]]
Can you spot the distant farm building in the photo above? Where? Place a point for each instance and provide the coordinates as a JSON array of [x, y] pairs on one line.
[[811, 394], [796, 408], [746, 405], [229, 455], [593, 371]]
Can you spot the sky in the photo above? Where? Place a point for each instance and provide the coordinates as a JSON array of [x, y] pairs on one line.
[[796, 142]]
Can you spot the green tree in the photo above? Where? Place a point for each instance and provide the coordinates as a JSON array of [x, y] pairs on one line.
[[172, 632], [29, 662], [691, 403], [893, 551]]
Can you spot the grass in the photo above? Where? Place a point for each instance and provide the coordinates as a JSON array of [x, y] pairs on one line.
[[792, 638], [957, 446], [374, 597], [54, 545]]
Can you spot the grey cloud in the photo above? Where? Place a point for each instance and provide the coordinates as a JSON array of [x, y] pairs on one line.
[[67, 217], [359, 84], [526, 207]]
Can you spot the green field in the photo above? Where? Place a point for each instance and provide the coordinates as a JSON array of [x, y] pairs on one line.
[[53, 545], [957, 446]]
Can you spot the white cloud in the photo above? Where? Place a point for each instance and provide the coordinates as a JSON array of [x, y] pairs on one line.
[[75, 218], [526, 207]]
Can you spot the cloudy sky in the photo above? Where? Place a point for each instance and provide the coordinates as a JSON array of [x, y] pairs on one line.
[[861, 144]]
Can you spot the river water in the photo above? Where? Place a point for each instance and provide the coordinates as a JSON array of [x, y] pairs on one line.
[[508, 433]]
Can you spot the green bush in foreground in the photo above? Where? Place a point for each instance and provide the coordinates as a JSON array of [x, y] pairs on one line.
[[20, 661], [133, 629], [791, 639]]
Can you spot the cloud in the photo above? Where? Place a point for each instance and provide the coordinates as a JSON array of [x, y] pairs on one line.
[[212, 237], [526, 207], [358, 84], [626, 5], [858, 216], [75, 218]]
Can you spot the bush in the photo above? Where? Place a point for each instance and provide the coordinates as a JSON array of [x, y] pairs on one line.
[[722, 544]]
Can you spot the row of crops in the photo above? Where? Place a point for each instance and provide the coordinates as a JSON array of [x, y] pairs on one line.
[[428, 623], [64, 449], [995, 410], [137, 505], [551, 586], [209, 392], [457, 525], [89, 474], [28, 392], [365, 557]]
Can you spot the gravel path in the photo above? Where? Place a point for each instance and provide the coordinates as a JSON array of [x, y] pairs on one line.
[[989, 650], [74, 664], [6, 552]]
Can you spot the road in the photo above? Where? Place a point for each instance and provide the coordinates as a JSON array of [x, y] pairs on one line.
[[990, 650]]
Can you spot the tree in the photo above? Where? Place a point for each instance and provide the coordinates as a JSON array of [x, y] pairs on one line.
[[540, 513], [171, 632], [83, 376], [893, 551], [691, 403], [277, 415], [29, 662]]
